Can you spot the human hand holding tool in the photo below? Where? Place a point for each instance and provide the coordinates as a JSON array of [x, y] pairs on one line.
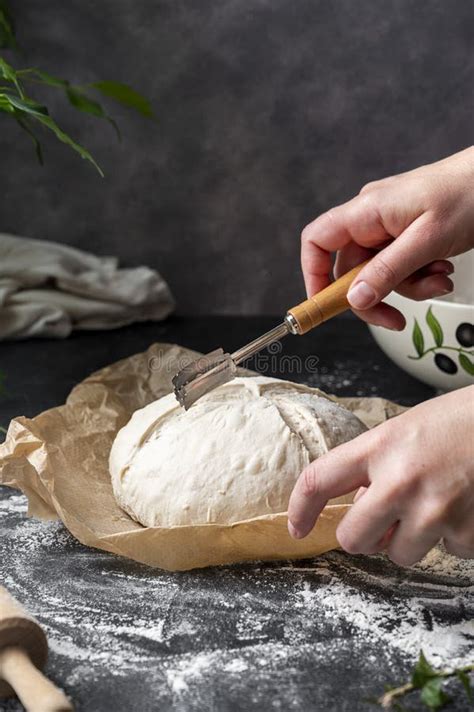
[[410, 224], [416, 471]]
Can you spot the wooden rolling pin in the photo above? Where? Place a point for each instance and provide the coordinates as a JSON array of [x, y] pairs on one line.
[[23, 653]]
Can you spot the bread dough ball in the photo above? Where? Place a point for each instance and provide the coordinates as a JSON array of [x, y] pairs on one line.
[[234, 455]]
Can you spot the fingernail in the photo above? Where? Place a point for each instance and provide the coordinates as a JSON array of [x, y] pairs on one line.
[[361, 296], [384, 325], [360, 493], [293, 532], [442, 292]]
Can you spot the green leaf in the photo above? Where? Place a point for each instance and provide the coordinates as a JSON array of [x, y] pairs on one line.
[[82, 102], [464, 678], [433, 695], [75, 95], [38, 150], [7, 28], [9, 73], [466, 364], [124, 95], [50, 124], [435, 327], [26, 106], [418, 340], [5, 105], [422, 671], [43, 77]]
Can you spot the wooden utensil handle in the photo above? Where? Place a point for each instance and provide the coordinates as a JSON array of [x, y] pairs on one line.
[[34, 690], [325, 304]]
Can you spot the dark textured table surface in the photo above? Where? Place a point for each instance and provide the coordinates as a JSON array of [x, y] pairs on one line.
[[323, 634]]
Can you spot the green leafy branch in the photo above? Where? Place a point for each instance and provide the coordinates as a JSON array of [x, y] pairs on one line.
[[438, 336], [30, 114], [430, 683]]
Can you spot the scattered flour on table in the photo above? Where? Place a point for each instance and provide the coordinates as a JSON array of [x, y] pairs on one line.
[[105, 613], [342, 375], [396, 623]]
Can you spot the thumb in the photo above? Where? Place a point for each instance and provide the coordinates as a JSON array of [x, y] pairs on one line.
[[418, 245]]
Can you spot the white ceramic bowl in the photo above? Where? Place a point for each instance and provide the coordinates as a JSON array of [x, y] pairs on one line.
[[437, 344]]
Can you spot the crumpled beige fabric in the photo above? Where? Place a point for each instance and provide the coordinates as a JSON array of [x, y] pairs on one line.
[[59, 459], [48, 289]]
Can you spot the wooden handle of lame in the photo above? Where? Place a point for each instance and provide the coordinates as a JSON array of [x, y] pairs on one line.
[[325, 304], [35, 691]]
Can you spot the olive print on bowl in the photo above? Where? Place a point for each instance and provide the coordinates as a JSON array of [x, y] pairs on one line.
[[463, 353]]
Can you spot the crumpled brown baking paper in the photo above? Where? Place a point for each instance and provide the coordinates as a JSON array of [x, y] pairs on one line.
[[59, 459]]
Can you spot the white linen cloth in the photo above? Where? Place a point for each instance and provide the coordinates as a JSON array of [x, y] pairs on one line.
[[48, 289]]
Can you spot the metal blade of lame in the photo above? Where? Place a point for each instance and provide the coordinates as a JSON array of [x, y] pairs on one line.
[[203, 375], [216, 368]]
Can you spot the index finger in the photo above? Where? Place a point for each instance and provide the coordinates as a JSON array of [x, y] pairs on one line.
[[316, 266], [336, 473], [358, 221]]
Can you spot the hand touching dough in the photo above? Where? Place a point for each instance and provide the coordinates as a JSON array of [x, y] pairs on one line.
[[235, 455]]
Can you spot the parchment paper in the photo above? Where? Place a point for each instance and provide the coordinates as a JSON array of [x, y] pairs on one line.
[[59, 459]]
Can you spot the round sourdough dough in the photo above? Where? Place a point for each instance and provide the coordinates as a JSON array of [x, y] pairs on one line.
[[234, 455]]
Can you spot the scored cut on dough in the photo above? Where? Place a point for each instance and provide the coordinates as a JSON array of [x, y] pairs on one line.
[[234, 455]]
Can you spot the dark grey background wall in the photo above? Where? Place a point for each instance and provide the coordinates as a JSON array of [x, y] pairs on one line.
[[270, 111]]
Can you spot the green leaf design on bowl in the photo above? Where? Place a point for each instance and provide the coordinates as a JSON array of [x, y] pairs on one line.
[[435, 327], [418, 339], [466, 364], [441, 360]]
